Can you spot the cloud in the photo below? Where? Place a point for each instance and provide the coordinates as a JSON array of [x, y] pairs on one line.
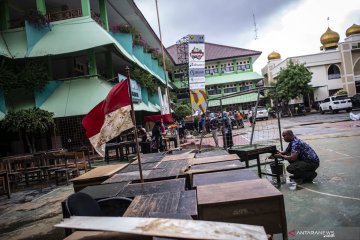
[[291, 28]]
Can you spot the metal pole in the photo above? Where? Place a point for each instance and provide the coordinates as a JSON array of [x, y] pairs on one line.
[[134, 121], [163, 58], [279, 126], [254, 118]]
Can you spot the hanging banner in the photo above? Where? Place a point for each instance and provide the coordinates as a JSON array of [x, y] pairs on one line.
[[196, 56]]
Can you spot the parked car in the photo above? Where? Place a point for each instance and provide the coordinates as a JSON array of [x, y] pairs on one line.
[[335, 104], [261, 113]]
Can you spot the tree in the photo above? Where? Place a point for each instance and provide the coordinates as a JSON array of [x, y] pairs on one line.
[[182, 111], [292, 82], [29, 122]]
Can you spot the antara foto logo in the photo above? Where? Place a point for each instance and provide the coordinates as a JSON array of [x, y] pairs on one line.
[[196, 53]]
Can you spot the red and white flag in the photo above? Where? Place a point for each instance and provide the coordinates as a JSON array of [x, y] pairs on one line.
[[109, 118]]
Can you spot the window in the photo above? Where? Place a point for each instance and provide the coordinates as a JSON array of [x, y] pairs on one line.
[[213, 90], [230, 88], [333, 72]]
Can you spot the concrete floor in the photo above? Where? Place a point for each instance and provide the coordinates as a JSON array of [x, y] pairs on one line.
[[331, 203]]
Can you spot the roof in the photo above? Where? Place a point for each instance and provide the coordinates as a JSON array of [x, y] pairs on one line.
[[227, 78], [66, 36], [76, 97], [217, 52], [250, 97]]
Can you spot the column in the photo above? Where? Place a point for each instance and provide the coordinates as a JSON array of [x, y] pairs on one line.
[[251, 63], [4, 15], [235, 66], [41, 7], [50, 68], [85, 7], [222, 90], [109, 64], [103, 14], [92, 62]]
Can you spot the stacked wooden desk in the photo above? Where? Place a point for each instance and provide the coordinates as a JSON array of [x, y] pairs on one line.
[[96, 176]]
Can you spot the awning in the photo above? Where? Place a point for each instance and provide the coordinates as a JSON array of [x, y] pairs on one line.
[[251, 97], [76, 97], [166, 118]]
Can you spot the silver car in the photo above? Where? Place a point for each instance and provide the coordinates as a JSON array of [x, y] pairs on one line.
[[262, 113]]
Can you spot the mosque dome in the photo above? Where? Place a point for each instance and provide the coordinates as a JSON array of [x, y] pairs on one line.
[[354, 29], [274, 55], [329, 39]]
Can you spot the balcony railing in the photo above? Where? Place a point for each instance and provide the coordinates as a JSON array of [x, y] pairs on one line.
[[57, 16]]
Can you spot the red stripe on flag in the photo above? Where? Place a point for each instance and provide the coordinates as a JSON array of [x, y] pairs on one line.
[[94, 120], [117, 97]]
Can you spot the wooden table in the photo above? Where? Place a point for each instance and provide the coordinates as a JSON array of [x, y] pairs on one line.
[[201, 179], [253, 152], [168, 170], [105, 190], [255, 202], [182, 203], [211, 159], [96, 176], [135, 189], [118, 147]]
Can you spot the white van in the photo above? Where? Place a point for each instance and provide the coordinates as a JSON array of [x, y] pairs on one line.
[[336, 103]]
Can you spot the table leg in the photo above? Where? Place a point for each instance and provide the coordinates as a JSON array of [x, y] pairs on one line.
[[7, 184], [258, 165], [277, 172]]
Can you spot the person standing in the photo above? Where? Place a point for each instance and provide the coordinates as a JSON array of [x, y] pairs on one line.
[[302, 158], [227, 131], [156, 137], [214, 125]]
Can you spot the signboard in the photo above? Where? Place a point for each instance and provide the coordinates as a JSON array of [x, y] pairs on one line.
[[196, 56], [135, 88]]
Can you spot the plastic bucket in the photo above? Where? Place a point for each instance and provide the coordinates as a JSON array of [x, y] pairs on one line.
[[279, 170]]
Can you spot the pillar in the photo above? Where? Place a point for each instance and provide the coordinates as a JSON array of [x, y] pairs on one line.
[[109, 64], [103, 14], [4, 15], [41, 7], [85, 7], [92, 62]]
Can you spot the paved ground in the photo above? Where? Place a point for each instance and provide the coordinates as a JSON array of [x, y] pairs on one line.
[[332, 201]]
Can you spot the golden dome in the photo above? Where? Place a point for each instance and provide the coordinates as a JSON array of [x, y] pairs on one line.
[[274, 55], [354, 29], [329, 39]]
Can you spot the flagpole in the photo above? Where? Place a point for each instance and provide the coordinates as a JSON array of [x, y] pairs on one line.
[[163, 58], [134, 121]]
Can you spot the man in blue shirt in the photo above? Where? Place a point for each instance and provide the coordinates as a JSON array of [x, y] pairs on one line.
[[302, 158]]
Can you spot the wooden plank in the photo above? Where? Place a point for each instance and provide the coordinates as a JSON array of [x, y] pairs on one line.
[[211, 153], [165, 202], [129, 176], [101, 171], [188, 203], [144, 166], [162, 227], [236, 191], [99, 235], [178, 157], [220, 158], [168, 170], [173, 185], [104, 190], [223, 177], [215, 166]]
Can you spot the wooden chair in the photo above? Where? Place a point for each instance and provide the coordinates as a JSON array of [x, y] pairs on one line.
[[69, 170]]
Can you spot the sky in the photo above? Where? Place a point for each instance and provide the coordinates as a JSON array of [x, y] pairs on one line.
[[289, 27]]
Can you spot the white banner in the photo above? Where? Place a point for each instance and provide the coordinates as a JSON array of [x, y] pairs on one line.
[[195, 86], [196, 80]]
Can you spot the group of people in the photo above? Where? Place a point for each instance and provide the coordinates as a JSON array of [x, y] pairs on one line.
[[302, 158]]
